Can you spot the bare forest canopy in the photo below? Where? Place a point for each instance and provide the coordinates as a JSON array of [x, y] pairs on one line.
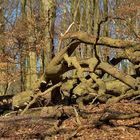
[[69, 51]]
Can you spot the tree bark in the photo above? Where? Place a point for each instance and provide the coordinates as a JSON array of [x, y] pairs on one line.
[[48, 9]]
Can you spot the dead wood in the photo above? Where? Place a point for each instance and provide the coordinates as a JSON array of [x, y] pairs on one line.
[[127, 79], [128, 94], [40, 94], [116, 87], [116, 116], [90, 39], [55, 67], [94, 87]]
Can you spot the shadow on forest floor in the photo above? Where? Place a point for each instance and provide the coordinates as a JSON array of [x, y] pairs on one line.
[[119, 121]]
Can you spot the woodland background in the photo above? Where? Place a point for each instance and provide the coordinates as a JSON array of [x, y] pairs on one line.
[[70, 69]]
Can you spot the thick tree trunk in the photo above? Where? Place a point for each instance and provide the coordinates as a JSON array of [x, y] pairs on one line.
[[48, 9]]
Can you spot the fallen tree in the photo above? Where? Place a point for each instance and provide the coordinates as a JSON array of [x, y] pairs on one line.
[[88, 83]]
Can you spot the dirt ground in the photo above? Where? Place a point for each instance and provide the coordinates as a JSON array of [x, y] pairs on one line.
[[94, 122]]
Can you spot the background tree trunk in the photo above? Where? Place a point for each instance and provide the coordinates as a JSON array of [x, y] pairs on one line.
[[48, 9]]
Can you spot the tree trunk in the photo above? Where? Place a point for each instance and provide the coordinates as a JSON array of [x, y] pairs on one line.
[[89, 12], [31, 76], [48, 8]]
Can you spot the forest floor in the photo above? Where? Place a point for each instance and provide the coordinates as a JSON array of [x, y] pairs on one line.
[[84, 125]]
